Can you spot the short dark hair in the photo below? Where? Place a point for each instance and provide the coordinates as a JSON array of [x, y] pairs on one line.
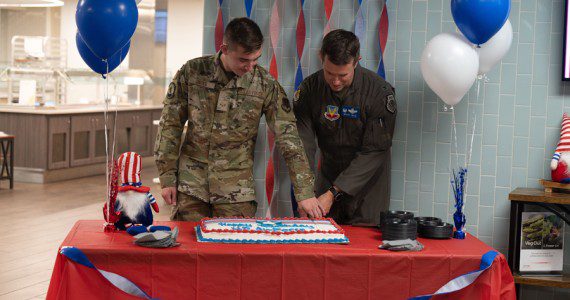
[[245, 33], [340, 46]]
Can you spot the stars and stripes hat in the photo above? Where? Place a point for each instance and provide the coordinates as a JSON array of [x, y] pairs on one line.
[[564, 143], [130, 168]]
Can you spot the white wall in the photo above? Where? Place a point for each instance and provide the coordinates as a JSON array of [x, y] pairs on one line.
[[68, 30], [32, 21], [184, 32]]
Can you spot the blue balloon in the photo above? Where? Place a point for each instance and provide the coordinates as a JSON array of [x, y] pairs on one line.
[[479, 20], [96, 64], [106, 26]]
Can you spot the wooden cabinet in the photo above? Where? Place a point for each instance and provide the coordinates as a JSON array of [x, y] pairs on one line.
[[81, 134], [55, 145], [66, 140], [58, 142], [88, 139], [141, 133], [134, 132], [99, 142]]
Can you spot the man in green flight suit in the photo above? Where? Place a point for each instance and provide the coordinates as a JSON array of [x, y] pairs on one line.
[[351, 113], [223, 97]]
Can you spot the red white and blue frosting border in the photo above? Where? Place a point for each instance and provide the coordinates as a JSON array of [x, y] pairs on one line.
[[202, 228]]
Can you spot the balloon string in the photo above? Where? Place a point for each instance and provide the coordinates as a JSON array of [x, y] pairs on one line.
[[454, 135], [470, 153], [108, 198]]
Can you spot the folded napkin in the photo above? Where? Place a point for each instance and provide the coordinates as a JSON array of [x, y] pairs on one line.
[[402, 245], [157, 239]]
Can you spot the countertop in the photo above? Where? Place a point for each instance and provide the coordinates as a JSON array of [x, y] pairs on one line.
[[73, 109]]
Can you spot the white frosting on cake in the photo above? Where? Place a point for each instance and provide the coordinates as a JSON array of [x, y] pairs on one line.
[[233, 230]]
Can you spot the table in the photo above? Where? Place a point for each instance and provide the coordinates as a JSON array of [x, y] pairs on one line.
[[7, 154], [229, 271]]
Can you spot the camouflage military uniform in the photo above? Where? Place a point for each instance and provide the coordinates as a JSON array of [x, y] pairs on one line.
[[215, 161]]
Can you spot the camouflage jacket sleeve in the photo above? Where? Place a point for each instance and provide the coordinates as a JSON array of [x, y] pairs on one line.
[[174, 116], [281, 120]]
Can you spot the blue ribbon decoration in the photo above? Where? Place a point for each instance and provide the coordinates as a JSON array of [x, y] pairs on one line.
[[122, 283], [464, 280], [248, 5], [298, 76], [381, 69], [359, 23], [299, 73]]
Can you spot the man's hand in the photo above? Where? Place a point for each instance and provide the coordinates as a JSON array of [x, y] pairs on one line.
[[302, 213], [311, 207], [326, 200], [169, 195]]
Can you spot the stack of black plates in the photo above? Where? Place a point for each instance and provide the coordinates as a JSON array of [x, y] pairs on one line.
[[399, 229], [394, 214], [434, 228]]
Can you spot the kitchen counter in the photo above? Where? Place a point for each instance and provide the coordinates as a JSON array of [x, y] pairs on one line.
[[67, 109], [68, 141]]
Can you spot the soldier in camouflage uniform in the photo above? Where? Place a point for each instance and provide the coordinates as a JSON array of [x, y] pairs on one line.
[[223, 97]]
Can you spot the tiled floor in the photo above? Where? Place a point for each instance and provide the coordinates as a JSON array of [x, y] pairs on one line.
[[35, 219]]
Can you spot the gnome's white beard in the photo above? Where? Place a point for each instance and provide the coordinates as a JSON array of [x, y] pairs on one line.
[[564, 157], [131, 203]]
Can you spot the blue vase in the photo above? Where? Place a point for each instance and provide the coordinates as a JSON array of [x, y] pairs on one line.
[[459, 220]]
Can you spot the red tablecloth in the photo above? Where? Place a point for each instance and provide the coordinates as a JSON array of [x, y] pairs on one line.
[[233, 271]]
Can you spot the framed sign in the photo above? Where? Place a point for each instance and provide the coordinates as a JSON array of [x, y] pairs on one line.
[[542, 244], [566, 46]]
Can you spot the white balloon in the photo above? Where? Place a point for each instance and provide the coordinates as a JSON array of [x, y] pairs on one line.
[[495, 49], [449, 66]]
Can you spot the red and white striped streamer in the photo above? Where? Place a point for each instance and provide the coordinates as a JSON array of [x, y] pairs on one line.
[[329, 4], [271, 170], [383, 26], [219, 29]]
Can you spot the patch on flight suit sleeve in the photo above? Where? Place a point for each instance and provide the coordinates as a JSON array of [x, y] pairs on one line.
[[171, 90], [296, 95], [285, 105], [391, 104]]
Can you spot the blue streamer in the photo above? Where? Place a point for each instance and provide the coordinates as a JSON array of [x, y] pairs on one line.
[[122, 283], [359, 23], [381, 70], [248, 5], [298, 76], [464, 280]]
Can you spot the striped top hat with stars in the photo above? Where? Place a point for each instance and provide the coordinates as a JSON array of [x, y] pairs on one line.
[[130, 167]]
